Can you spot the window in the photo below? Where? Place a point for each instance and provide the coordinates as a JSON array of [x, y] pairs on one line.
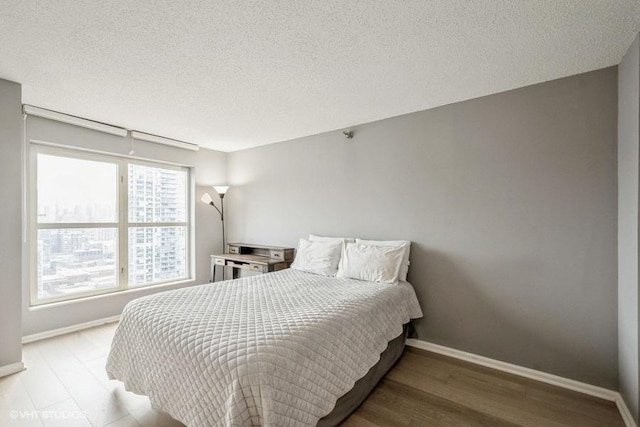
[[103, 224]]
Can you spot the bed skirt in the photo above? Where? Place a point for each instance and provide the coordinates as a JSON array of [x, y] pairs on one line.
[[350, 401]]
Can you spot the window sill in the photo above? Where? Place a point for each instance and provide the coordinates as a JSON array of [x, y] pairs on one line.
[[156, 288]]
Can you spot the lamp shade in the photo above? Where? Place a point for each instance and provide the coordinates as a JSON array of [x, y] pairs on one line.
[[206, 198], [221, 189]]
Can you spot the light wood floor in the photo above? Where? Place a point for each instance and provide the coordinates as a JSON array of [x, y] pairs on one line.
[[65, 385]]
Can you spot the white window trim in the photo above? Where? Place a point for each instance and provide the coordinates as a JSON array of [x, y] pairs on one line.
[[122, 225]]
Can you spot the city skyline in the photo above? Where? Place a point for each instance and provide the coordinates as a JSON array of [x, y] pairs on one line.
[[87, 259]]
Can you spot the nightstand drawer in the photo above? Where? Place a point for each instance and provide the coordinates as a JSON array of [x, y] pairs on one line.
[[219, 261], [235, 264], [256, 267], [276, 254], [234, 250]]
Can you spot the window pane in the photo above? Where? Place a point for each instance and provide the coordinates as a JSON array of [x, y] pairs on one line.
[[157, 194], [73, 260], [76, 190], [157, 254]]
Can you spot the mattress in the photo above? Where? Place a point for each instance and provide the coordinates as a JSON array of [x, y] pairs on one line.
[[271, 350]]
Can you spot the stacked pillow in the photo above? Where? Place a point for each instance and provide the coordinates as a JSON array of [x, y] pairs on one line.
[[405, 244], [319, 257], [370, 260]]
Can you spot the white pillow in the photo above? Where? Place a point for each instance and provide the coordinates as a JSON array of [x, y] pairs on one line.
[[314, 238], [404, 269], [343, 241], [318, 257], [371, 263]]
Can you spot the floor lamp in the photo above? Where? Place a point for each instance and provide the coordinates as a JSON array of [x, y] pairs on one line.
[[206, 198]]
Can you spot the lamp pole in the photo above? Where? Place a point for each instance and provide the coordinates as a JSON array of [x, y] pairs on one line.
[[224, 240], [206, 198]]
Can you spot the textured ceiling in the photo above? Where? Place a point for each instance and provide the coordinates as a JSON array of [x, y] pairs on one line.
[[234, 74]]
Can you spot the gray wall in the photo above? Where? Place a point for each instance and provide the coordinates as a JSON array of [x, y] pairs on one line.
[[210, 168], [628, 170], [10, 231], [510, 201]]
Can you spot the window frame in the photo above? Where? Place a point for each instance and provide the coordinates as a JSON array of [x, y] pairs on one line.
[[122, 225]]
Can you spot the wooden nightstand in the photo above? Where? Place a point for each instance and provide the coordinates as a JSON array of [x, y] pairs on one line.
[[256, 258]]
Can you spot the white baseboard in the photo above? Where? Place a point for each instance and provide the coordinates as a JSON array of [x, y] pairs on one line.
[[11, 369], [624, 411], [73, 328], [591, 390]]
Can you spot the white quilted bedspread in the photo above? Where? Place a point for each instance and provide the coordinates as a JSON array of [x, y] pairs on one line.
[[272, 350]]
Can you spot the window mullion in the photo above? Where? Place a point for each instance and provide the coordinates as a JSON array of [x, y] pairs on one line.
[[123, 212], [157, 224], [57, 225]]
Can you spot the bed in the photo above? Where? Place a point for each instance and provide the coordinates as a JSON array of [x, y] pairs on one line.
[[277, 349]]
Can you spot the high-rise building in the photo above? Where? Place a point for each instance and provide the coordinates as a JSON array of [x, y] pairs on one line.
[[156, 253]]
